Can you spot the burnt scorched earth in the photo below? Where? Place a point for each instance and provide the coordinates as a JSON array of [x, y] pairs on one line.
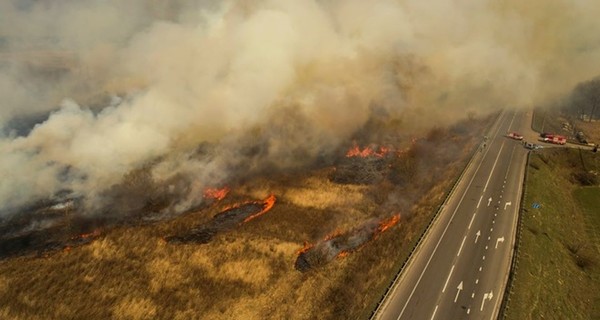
[[224, 221], [341, 244], [46, 228]]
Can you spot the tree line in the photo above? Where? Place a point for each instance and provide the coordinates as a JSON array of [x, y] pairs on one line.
[[584, 100]]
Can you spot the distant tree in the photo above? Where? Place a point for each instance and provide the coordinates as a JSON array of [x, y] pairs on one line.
[[585, 99]]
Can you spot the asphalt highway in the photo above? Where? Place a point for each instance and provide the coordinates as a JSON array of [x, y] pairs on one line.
[[460, 269]]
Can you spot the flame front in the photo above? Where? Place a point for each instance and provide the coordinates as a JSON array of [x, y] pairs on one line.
[[214, 193], [386, 224], [92, 234], [355, 151], [307, 246], [268, 203]]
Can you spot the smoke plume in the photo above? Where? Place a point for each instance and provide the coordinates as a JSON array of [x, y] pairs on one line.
[[196, 92]]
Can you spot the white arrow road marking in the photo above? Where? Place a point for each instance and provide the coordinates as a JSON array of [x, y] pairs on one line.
[[477, 235], [507, 204], [459, 288], [501, 239], [488, 296], [489, 201]]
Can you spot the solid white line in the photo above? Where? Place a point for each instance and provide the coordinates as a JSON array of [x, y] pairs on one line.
[[448, 279], [472, 218], [493, 167], [478, 203], [511, 121], [509, 161], [434, 311], [461, 245]]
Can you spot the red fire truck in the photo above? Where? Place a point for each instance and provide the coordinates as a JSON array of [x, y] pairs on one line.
[[554, 138]]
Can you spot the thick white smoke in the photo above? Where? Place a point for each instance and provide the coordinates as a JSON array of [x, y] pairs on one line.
[[295, 78]]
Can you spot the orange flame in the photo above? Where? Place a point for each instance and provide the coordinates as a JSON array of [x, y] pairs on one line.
[[355, 151], [92, 234], [343, 254], [215, 193], [307, 246], [386, 224], [268, 203], [332, 235]]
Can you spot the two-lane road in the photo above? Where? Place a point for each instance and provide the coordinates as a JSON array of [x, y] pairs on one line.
[[459, 270]]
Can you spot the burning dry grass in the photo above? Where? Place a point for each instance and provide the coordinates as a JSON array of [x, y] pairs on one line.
[[247, 273]]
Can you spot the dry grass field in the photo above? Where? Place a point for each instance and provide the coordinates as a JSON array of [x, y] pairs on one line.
[[130, 272]]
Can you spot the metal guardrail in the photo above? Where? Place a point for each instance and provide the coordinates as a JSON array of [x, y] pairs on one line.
[[428, 228]]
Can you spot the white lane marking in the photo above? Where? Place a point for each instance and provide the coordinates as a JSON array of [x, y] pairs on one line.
[[468, 310], [448, 279], [434, 311], [491, 229], [461, 246], [483, 257], [477, 281], [509, 161], [480, 268], [493, 167], [472, 295], [486, 247], [478, 203], [472, 218], [489, 238], [511, 121]]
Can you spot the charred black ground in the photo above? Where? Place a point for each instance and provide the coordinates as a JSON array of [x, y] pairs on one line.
[[223, 221], [341, 244]]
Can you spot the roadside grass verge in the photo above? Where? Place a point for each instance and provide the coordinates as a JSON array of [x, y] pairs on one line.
[[557, 273]]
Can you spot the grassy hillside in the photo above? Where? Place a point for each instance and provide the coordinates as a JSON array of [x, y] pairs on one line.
[[558, 264]]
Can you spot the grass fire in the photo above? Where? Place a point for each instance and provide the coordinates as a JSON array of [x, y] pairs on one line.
[[166, 159], [341, 244], [225, 220]]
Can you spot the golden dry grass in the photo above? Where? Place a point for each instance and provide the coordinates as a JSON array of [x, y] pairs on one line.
[[246, 273]]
